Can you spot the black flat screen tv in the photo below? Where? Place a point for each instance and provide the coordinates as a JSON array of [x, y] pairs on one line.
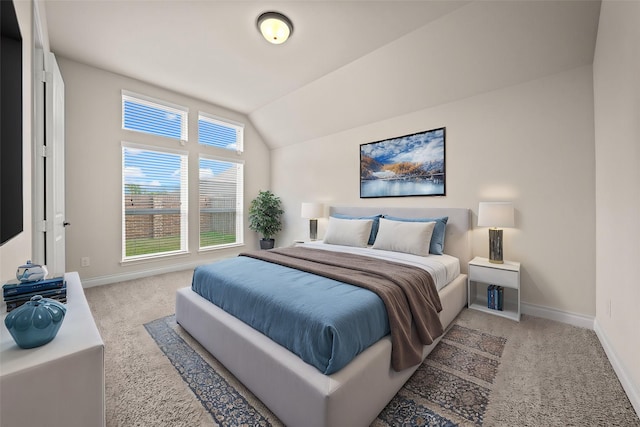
[[11, 179]]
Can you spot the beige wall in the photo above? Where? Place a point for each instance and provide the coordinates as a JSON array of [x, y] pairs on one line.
[[17, 250], [531, 143], [94, 167], [616, 71]]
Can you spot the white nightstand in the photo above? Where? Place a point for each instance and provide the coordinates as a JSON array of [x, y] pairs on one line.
[[483, 273]]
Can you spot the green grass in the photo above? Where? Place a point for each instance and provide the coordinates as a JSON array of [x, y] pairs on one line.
[[146, 246], [212, 238]]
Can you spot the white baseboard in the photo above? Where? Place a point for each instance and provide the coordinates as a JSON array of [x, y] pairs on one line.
[[632, 390], [122, 277], [579, 320]]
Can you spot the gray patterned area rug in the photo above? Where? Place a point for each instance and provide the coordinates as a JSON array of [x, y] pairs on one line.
[[451, 388]]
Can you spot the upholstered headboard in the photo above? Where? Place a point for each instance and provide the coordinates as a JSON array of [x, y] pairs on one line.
[[457, 241]]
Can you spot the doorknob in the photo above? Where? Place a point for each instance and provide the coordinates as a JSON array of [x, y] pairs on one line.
[[64, 224]]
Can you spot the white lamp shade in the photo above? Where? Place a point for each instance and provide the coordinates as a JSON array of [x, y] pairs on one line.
[[495, 214], [312, 210]]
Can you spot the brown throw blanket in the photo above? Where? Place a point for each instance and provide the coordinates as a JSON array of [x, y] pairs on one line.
[[409, 293]]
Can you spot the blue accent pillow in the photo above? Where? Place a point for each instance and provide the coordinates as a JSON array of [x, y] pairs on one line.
[[436, 246], [374, 226]]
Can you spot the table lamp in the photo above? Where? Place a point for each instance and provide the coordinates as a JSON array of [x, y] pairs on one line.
[[312, 211], [494, 215]]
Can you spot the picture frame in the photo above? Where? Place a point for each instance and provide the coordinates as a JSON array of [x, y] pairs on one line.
[[404, 166]]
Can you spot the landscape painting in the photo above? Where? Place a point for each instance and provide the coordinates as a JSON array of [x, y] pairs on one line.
[[410, 165]]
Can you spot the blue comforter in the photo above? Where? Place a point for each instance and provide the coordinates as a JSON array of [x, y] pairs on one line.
[[325, 322]]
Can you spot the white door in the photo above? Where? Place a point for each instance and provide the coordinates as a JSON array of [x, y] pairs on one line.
[[54, 167], [38, 166]]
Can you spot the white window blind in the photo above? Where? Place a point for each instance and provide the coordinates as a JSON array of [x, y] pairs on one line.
[[155, 204], [222, 133], [144, 114], [221, 202]]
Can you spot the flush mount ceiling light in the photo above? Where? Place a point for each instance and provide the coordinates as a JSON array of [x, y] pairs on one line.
[[275, 27]]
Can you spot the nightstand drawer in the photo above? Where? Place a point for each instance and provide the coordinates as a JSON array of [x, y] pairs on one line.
[[494, 276]]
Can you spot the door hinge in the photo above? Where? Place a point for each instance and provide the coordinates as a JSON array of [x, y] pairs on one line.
[[42, 226], [44, 152], [46, 76]]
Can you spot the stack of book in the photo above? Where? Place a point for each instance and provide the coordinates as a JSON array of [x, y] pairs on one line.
[[495, 297], [16, 293]]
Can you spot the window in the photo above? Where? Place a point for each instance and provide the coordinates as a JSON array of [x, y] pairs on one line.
[[221, 207], [154, 208], [143, 114], [155, 180], [220, 133]]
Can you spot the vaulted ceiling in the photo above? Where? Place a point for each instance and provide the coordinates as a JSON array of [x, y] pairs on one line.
[[348, 63]]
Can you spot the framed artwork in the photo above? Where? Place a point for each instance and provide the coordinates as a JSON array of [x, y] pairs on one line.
[[410, 165]]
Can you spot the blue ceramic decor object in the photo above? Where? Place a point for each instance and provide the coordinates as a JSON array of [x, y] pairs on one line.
[[36, 322], [31, 272]]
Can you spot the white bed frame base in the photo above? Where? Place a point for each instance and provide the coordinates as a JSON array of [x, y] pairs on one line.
[[296, 392]]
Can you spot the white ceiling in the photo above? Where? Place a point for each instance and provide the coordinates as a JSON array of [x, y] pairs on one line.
[[348, 63]]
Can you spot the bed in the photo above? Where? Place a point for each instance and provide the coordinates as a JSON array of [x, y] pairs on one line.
[[356, 393]]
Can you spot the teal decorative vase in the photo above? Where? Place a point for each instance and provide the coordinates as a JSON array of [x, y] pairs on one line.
[[36, 322]]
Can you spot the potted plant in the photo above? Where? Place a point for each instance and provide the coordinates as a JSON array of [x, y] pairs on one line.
[[265, 214]]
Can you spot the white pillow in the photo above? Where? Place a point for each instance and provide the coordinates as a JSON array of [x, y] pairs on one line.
[[408, 237], [348, 232]]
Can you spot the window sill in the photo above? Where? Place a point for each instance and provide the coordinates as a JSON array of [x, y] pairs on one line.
[[145, 259], [217, 248]]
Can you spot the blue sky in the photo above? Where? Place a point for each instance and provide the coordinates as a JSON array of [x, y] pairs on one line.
[[160, 171], [151, 169], [422, 147], [157, 171]]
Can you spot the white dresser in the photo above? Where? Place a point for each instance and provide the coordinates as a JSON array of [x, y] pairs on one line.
[[60, 383]]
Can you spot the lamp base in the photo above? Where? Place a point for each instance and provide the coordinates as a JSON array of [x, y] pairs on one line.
[[495, 246], [313, 229]]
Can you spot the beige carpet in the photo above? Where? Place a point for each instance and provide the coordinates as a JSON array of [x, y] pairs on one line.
[[550, 374]]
